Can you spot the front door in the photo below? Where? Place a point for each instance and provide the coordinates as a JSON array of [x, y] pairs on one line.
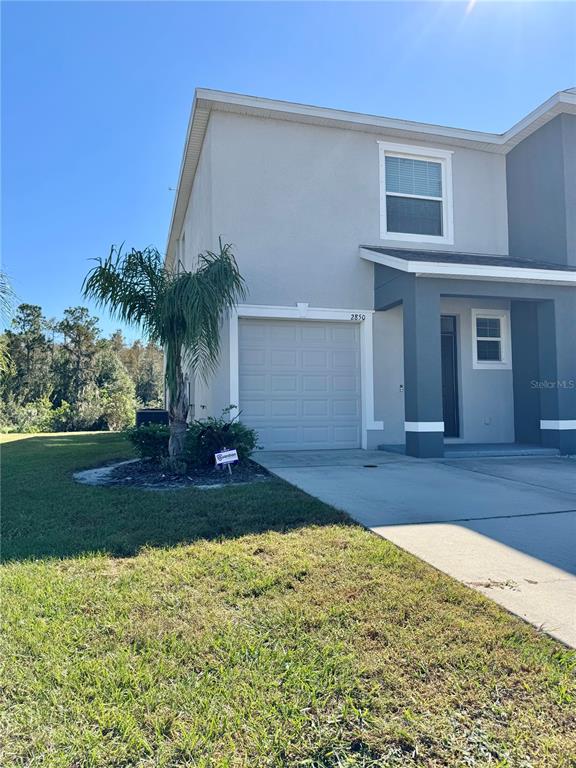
[[450, 376]]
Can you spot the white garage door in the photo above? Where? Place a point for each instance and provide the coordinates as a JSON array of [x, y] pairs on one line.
[[300, 383]]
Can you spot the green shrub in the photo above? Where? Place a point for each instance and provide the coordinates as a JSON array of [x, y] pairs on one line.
[[35, 416], [206, 437], [150, 441], [61, 417]]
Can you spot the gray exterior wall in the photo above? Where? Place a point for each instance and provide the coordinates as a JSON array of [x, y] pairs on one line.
[[485, 396], [542, 387], [389, 374], [297, 200], [569, 136], [198, 229], [302, 198], [541, 179]]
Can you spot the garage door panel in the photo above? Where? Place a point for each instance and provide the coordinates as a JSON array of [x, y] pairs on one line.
[[253, 409], [280, 358], [287, 435], [317, 358], [314, 333], [344, 334], [252, 332], [315, 408], [284, 408], [347, 359], [253, 384], [314, 383], [281, 384], [346, 434], [345, 408], [254, 357], [281, 333], [300, 383], [316, 434], [345, 383]]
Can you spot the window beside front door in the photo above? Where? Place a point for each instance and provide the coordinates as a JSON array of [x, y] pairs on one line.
[[491, 334], [416, 194]]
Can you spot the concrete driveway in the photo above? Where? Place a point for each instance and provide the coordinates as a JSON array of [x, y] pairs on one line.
[[504, 526]]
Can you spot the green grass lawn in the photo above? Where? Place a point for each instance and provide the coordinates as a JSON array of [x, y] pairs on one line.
[[249, 626]]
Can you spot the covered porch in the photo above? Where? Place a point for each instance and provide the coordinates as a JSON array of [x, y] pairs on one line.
[[488, 352]]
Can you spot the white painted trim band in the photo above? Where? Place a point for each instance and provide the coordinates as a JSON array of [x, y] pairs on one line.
[[424, 426], [562, 424]]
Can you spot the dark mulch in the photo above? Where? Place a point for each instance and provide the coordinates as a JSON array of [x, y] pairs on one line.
[[147, 474]]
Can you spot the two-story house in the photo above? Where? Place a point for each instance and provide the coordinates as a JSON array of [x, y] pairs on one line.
[[409, 284]]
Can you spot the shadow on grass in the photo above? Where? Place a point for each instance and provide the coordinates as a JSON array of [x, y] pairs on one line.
[[47, 514]]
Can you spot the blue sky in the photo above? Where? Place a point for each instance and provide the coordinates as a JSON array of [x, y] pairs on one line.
[[96, 98]]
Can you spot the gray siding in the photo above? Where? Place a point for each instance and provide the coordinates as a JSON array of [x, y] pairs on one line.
[[541, 180]]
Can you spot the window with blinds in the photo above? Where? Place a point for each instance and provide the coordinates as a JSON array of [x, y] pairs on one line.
[[414, 199], [416, 193]]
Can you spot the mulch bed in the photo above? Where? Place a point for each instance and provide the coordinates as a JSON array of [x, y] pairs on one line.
[[147, 474]]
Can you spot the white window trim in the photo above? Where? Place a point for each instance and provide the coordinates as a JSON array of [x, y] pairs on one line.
[[505, 340], [363, 317], [444, 157]]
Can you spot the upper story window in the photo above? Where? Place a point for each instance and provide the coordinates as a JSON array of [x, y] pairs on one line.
[[415, 194]]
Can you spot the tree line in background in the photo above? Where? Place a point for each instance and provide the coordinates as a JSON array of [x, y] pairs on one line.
[[62, 375]]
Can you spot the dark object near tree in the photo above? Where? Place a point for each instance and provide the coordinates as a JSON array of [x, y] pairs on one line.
[[151, 416]]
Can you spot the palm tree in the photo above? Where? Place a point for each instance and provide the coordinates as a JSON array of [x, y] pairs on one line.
[[6, 296], [182, 312], [6, 304]]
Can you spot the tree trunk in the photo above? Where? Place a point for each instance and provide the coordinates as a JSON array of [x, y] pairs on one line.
[[178, 413]]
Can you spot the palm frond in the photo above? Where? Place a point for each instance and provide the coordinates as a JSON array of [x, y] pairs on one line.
[[6, 297], [130, 285], [183, 312], [194, 307]]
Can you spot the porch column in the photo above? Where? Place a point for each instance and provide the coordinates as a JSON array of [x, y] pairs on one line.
[[424, 424], [557, 382], [525, 371]]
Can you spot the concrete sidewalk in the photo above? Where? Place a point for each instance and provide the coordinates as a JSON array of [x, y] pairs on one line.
[[506, 527]]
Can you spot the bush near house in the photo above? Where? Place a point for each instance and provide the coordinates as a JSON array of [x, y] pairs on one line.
[[208, 436], [150, 441], [204, 438]]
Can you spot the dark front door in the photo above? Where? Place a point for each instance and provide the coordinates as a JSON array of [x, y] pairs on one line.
[[450, 376]]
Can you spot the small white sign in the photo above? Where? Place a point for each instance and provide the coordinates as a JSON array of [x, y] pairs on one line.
[[226, 457]]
